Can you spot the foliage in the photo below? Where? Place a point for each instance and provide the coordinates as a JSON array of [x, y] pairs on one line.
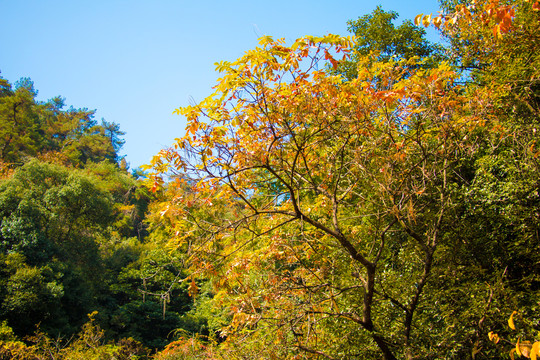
[[188, 348], [335, 198], [88, 345], [379, 214], [153, 299], [19, 125], [294, 155], [72, 224], [496, 43], [29, 128], [376, 34], [49, 220]]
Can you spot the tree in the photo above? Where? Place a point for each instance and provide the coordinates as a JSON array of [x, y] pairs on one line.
[[376, 33], [30, 293], [309, 197], [20, 130], [114, 134], [72, 227], [30, 128], [71, 242], [495, 43], [152, 298], [53, 218], [380, 214], [79, 137]]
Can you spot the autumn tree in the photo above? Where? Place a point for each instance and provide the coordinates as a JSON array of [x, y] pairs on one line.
[[496, 42], [310, 197]]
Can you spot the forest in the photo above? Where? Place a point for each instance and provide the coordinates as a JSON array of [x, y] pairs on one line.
[[371, 196]]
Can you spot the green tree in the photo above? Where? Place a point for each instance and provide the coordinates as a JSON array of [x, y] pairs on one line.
[[114, 134], [29, 128], [376, 34], [53, 216], [20, 127], [152, 296], [30, 293]]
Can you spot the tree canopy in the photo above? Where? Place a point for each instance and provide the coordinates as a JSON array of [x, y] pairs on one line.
[[372, 212], [74, 239], [363, 197], [31, 128]]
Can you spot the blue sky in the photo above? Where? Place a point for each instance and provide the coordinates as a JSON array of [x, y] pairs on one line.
[[136, 61]]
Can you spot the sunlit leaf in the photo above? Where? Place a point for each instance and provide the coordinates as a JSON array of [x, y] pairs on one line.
[[511, 321], [512, 352], [535, 350], [418, 19], [493, 337], [264, 40], [426, 20]]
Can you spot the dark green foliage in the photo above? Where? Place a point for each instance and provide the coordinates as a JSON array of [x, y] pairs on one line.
[[146, 322], [72, 228], [377, 35], [63, 242], [28, 293], [153, 291], [50, 218]]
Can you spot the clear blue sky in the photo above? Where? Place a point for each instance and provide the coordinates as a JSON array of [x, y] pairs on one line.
[[136, 61]]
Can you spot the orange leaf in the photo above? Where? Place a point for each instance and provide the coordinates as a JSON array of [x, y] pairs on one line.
[[192, 288]]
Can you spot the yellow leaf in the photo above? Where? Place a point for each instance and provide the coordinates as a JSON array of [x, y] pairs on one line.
[[265, 40], [524, 348], [426, 20], [535, 350], [418, 19], [497, 31], [437, 21], [511, 321], [518, 350], [493, 337], [512, 354]]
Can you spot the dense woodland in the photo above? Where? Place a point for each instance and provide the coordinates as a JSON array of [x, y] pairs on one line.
[[363, 197], [73, 234]]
